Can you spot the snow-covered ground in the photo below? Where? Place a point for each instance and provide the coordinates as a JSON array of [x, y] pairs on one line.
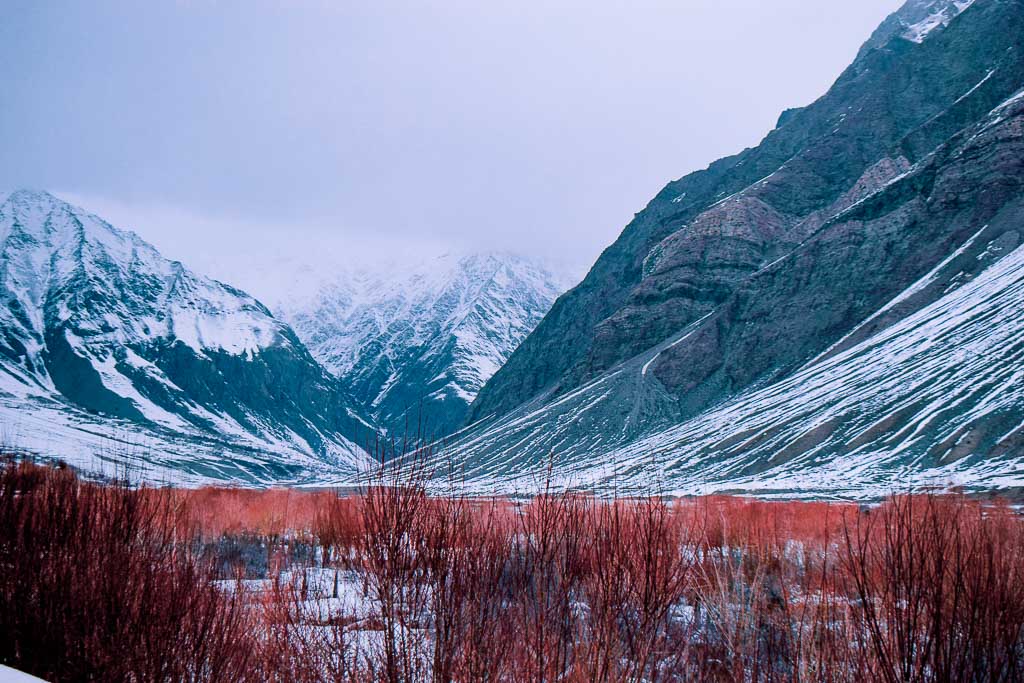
[[9, 675]]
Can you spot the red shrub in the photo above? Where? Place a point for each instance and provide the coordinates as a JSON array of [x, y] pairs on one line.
[[95, 584], [563, 587]]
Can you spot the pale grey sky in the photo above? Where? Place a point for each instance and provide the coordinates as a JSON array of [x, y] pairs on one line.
[[227, 131]]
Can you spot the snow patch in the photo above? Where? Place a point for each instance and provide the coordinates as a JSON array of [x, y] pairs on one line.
[[945, 13]]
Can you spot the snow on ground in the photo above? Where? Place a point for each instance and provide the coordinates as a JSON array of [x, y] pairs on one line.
[[116, 448], [9, 675]]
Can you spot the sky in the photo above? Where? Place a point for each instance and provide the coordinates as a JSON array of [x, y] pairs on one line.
[[236, 134]]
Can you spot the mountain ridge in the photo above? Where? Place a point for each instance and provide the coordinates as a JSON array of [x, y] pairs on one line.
[[800, 169], [417, 343], [98, 326], [736, 278]]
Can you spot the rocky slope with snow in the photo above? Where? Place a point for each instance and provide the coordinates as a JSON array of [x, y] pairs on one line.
[[111, 353], [805, 315], [414, 344]]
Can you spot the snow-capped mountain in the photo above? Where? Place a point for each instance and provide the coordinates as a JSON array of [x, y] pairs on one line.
[[105, 346], [919, 18], [916, 20], [415, 343], [928, 390], [834, 311], [936, 15]]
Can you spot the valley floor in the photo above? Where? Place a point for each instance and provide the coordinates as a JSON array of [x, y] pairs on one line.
[[112, 582]]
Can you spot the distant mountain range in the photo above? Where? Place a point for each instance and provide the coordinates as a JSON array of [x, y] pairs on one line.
[[837, 310], [415, 344], [111, 355]]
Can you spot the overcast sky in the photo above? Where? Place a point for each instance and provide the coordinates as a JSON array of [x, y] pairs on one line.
[[229, 133]]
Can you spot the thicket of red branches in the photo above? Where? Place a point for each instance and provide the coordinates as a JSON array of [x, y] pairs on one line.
[[113, 583]]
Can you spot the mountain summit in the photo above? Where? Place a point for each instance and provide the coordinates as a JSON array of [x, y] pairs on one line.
[[105, 346], [415, 344]]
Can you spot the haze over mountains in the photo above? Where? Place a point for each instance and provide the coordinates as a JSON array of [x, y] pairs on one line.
[[836, 311]]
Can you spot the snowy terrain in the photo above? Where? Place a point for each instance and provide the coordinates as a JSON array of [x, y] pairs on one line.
[[9, 675], [948, 375], [109, 349], [420, 340]]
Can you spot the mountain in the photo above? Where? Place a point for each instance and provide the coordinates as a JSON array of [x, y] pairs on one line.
[[915, 20], [831, 310], [416, 343], [109, 352]]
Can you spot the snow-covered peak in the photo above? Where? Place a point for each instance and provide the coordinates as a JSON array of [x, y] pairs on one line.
[[101, 337], [60, 260], [432, 330], [390, 276], [440, 292], [922, 17], [31, 205]]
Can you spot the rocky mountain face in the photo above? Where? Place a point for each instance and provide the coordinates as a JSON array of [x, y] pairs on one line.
[[831, 303], [110, 351], [415, 344]]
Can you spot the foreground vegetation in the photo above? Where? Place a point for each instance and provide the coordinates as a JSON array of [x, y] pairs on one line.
[[114, 583]]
